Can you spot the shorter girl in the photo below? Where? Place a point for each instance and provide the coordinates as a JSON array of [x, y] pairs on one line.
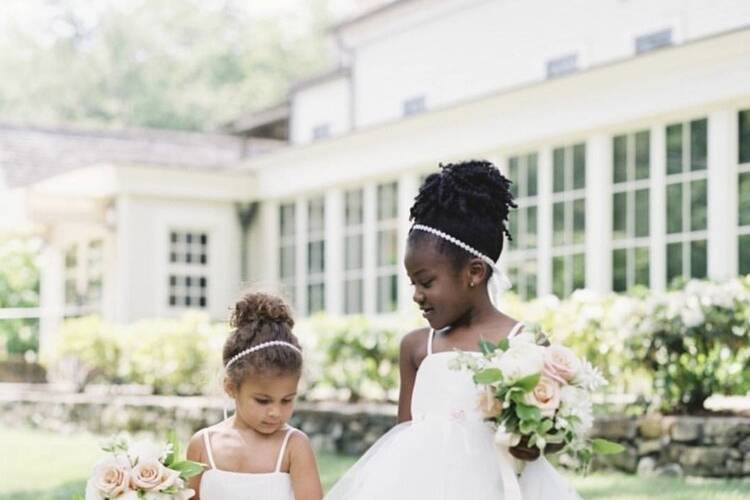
[[255, 454]]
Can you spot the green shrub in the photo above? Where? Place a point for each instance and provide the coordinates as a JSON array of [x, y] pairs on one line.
[[19, 287]]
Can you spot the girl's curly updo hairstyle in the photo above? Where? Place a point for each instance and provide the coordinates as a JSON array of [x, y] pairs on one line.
[[470, 201], [258, 318]]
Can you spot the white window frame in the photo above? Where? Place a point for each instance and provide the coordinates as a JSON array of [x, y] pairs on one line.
[[354, 230], [183, 270], [631, 243], [315, 236], [390, 225], [288, 283], [520, 256], [684, 178], [742, 168]]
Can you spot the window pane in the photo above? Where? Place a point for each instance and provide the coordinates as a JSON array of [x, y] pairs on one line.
[[620, 158], [512, 272], [286, 219], [579, 166], [744, 199], [619, 270], [558, 223], [531, 175], [642, 160], [513, 229], [387, 248], [698, 204], [698, 144], [641, 266], [387, 293], [530, 238], [579, 221], [744, 254], [619, 215], [353, 252], [316, 215], [387, 201], [315, 298], [353, 208], [698, 259], [674, 261], [674, 208], [513, 175], [674, 149], [641, 212], [353, 297], [316, 256], [529, 269], [579, 271], [558, 168], [744, 136], [558, 276], [286, 261]]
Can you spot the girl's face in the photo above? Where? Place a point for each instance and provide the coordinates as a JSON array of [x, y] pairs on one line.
[[265, 402], [440, 291]]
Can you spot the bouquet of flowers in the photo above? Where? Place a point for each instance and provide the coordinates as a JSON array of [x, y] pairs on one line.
[[538, 394], [141, 470]]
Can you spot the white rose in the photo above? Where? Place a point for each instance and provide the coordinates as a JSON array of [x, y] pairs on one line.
[[575, 402], [110, 478], [130, 495], [520, 361], [147, 450]]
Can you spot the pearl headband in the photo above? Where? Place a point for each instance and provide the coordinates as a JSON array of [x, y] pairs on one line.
[[498, 283], [258, 348]]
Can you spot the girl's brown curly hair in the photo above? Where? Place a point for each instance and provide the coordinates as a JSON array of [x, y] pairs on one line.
[[258, 318]]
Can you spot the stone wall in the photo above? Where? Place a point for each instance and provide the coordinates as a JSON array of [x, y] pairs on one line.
[[674, 445]]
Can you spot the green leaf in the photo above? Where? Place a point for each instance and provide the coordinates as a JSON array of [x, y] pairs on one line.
[[528, 383], [488, 376], [527, 426], [188, 468], [503, 345], [604, 447], [545, 425], [526, 412], [487, 347]]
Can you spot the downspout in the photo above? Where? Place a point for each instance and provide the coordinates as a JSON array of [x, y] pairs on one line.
[[245, 214]]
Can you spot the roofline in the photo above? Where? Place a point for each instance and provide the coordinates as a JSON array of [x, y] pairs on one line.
[[320, 78], [261, 117], [366, 15]]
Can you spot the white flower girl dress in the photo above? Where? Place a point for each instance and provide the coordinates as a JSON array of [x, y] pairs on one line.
[[447, 451]]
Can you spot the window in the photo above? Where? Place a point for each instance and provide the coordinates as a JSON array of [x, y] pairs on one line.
[[562, 65], [354, 252], [71, 276], [568, 219], [387, 247], [316, 255], [287, 250], [188, 268], [94, 271], [687, 199], [522, 224], [414, 105], [322, 131], [743, 188], [631, 170], [653, 41]]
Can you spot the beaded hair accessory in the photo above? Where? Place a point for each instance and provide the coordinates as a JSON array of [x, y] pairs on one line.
[[498, 283], [258, 348]]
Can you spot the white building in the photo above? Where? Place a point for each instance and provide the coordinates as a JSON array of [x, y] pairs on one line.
[[625, 125]]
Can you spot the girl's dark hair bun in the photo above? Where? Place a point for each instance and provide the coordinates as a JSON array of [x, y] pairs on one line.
[[260, 308]]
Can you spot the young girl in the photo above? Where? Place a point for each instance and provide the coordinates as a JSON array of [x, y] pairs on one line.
[[442, 449], [255, 454]]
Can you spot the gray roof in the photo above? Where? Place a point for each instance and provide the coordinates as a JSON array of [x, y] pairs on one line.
[[31, 153]]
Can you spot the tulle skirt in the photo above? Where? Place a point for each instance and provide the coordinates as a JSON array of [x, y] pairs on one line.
[[442, 459]]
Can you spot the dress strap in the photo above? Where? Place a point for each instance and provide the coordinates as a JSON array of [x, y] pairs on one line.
[[207, 442], [430, 336], [283, 448], [516, 328]]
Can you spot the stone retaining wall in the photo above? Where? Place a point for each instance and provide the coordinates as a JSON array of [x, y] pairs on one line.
[[673, 445]]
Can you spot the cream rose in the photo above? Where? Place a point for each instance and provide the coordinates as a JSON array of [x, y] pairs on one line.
[[151, 475], [488, 404], [561, 364], [110, 478], [520, 361], [545, 396]]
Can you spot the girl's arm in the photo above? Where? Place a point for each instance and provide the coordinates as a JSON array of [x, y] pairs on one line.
[[408, 370], [195, 453], [303, 469]]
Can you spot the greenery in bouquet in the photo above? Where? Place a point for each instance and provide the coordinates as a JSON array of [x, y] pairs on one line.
[[538, 395], [141, 470]]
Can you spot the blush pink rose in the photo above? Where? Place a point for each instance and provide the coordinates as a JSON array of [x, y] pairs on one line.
[[151, 475], [488, 404], [561, 364], [545, 396], [110, 479]]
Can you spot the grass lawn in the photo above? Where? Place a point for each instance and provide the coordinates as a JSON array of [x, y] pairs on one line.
[[45, 466]]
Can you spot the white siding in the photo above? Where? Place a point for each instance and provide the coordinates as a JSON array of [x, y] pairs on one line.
[[325, 104]]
